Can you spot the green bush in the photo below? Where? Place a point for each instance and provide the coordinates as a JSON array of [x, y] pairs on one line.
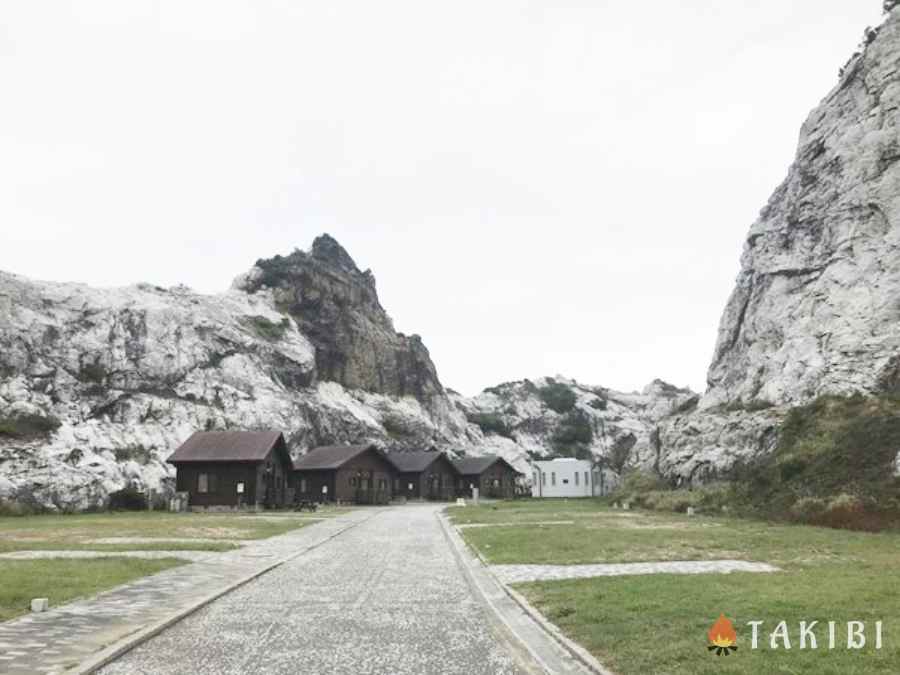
[[92, 372], [25, 426], [836, 445], [648, 490], [598, 404], [139, 454], [14, 509], [754, 405], [558, 397], [573, 434], [890, 4], [128, 499], [269, 330], [490, 423], [808, 509], [395, 427]]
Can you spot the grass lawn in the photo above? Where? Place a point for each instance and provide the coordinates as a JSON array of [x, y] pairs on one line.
[[64, 580], [657, 624], [75, 532]]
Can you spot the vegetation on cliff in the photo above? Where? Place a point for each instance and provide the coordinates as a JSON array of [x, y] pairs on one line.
[[835, 465]]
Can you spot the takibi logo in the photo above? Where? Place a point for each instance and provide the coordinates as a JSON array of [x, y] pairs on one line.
[[722, 637]]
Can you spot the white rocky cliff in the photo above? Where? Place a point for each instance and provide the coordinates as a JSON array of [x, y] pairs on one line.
[[816, 307], [99, 386]]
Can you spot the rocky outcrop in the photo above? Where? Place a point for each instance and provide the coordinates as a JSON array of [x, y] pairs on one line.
[[336, 307], [557, 416], [815, 309], [98, 386]]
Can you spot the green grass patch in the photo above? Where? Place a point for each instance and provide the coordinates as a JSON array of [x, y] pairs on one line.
[[647, 625], [65, 580], [657, 624], [75, 532]]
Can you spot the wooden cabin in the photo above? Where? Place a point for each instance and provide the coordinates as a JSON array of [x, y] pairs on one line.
[[423, 474], [492, 475], [233, 469], [344, 473]]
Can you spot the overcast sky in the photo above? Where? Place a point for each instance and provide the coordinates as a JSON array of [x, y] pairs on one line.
[[539, 187]]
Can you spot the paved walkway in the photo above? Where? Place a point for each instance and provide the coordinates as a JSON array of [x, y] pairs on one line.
[[67, 636], [513, 574], [385, 597]]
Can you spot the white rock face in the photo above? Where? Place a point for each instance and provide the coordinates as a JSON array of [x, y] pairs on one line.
[[129, 373], [614, 427], [816, 308]]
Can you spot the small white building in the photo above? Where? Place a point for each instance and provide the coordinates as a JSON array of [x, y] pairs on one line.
[[565, 477]]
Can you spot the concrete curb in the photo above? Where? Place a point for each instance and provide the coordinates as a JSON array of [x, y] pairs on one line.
[[585, 658], [474, 564], [105, 656], [509, 632]]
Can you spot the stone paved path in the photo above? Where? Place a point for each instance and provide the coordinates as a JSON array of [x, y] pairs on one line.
[[513, 574], [385, 597], [64, 637]]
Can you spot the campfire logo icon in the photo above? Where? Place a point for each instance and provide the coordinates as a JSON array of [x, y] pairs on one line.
[[722, 637]]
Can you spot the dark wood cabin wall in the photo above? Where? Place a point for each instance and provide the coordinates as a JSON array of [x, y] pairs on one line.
[[227, 476]]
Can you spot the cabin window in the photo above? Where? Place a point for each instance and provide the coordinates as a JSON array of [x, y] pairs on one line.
[[565, 481], [496, 483], [353, 481], [206, 482], [585, 477], [397, 484], [302, 485], [576, 478], [552, 478], [543, 477]]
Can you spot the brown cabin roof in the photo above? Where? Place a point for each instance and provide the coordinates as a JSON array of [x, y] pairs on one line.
[[470, 466], [329, 457], [226, 446], [413, 461]]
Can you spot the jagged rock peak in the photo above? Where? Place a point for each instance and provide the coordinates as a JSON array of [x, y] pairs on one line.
[[326, 254], [328, 250], [336, 306]]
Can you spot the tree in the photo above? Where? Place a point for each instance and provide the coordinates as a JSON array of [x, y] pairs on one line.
[[890, 4]]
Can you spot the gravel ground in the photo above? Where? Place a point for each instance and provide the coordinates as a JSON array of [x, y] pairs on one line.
[[384, 597]]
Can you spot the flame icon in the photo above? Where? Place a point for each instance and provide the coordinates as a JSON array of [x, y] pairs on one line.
[[722, 637]]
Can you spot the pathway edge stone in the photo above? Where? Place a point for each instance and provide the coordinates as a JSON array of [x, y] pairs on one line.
[[99, 659], [474, 565]]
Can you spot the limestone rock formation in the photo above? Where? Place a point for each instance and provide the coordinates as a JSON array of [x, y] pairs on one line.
[[336, 306], [559, 416], [98, 386], [816, 307]]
